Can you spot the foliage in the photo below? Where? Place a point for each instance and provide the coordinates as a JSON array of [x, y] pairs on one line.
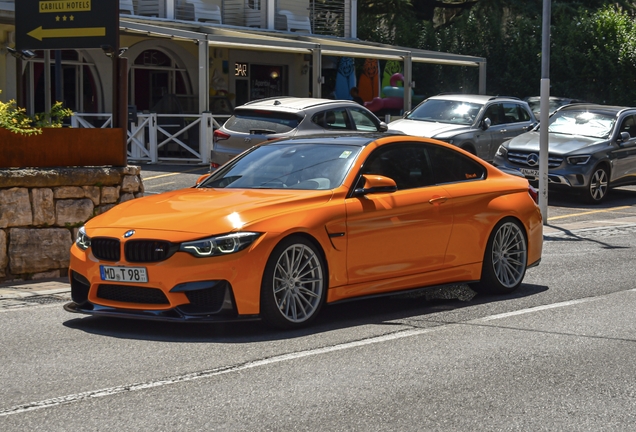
[[16, 120], [592, 46], [53, 118]]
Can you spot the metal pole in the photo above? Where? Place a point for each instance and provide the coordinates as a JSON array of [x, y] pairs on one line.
[[47, 81], [59, 95], [545, 113]]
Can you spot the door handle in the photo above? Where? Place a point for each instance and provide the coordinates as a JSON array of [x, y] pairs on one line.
[[438, 200]]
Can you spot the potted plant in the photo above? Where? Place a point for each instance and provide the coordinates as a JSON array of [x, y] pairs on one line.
[[41, 141]]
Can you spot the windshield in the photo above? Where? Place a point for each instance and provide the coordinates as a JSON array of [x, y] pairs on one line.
[[585, 123], [446, 111], [287, 165]]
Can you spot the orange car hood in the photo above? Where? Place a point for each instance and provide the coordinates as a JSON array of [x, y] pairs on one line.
[[206, 211]]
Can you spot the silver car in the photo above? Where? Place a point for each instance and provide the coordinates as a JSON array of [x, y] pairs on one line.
[[282, 116], [591, 149], [478, 124]]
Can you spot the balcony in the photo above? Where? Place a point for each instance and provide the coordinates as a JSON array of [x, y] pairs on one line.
[[320, 17], [323, 17]]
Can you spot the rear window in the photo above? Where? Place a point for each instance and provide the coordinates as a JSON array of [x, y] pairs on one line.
[[262, 122]]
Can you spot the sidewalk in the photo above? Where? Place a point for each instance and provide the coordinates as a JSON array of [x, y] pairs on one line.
[[20, 294]]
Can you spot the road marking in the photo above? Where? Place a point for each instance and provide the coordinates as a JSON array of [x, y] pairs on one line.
[[161, 184], [588, 213], [223, 370], [174, 173]]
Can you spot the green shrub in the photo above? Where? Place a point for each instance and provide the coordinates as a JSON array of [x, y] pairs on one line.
[[16, 120]]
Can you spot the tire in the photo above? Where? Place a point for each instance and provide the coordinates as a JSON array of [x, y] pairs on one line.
[[505, 259], [598, 187], [294, 285]]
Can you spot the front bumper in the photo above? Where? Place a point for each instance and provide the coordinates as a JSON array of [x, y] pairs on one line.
[[208, 301], [564, 176]]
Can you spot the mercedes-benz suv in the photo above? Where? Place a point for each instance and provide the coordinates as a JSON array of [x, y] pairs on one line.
[[591, 148]]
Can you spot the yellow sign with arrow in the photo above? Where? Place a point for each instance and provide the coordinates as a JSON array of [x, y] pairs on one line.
[[66, 24]]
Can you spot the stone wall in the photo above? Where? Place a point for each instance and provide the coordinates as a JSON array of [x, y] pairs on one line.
[[42, 209]]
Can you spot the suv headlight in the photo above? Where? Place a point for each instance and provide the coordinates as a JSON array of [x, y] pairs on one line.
[[219, 245], [579, 160], [501, 151], [82, 241]]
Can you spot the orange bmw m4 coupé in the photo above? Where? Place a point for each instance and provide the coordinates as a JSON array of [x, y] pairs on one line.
[[290, 225]]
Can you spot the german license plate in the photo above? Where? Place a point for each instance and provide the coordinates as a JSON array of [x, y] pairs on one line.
[[123, 274], [529, 172]]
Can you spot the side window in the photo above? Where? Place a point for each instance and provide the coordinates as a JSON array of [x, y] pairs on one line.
[[511, 112], [514, 112], [495, 114], [362, 121], [629, 125], [524, 113], [449, 166], [406, 163], [333, 119]]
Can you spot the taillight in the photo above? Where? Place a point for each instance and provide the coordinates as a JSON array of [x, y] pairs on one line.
[[534, 194], [220, 136]]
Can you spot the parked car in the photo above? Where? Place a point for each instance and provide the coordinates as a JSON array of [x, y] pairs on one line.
[[592, 148], [295, 223], [475, 123], [278, 117], [554, 102]]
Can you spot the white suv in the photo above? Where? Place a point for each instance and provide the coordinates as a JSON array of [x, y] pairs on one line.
[[478, 124], [285, 116]]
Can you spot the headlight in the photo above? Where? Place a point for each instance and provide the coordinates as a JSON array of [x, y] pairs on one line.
[[501, 151], [82, 241], [579, 160], [219, 245]]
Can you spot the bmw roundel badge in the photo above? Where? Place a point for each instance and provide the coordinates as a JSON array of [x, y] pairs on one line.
[[129, 233]]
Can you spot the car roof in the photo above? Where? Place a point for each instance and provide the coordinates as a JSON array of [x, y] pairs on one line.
[[293, 104], [607, 109], [482, 99]]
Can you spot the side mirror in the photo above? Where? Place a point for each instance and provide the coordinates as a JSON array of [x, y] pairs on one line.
[[624, 137], [485, 124], [383, 127], [201, 179], [375, 183]]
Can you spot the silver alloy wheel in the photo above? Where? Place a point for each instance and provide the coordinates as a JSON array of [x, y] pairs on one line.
[[598, 184], [298, 282], [509, 254]]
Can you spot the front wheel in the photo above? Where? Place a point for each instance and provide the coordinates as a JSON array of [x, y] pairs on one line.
[[294, 284], [505, 259], [598, 187]]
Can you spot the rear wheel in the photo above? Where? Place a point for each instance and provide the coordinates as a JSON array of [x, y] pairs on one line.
[[505, 260], [294, 284], [599, 185]]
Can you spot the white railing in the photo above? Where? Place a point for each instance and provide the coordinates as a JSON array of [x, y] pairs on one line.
[[157, 138]]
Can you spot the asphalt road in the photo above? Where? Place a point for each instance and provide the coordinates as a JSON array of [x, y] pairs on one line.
[[556, 355]]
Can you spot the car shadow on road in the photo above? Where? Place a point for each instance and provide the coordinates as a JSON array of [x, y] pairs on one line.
[[622, 196], [403, 309], [565, 235]]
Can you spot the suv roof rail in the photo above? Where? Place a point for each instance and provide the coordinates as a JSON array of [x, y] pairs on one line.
[[504, 97], [267, 99]]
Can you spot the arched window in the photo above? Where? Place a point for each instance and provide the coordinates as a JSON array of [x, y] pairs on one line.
[[157, 83]]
